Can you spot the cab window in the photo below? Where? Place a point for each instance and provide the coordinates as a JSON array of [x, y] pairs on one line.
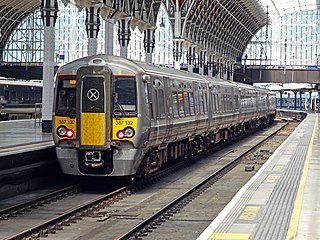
[[66, 97], [125, 96]]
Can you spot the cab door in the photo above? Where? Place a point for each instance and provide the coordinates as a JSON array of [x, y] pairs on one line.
[[94, 103]]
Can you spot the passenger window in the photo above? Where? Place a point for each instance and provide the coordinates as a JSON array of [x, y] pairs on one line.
[[180, 102], [161, 104], [217, 103], [191, 100], [186, 103], [146, 94], [205, 102], [156, 112], [175, 103], [201, 103]]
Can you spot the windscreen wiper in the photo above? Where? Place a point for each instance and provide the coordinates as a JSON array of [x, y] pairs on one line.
[[71, 112], [122, 111]]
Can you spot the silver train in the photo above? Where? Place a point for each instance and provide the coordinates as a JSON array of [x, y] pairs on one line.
[[118, 117]]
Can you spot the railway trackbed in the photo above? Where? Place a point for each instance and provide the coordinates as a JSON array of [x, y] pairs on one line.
[[129, 212]]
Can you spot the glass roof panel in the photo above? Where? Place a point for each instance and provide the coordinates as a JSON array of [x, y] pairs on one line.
[[277, 8]]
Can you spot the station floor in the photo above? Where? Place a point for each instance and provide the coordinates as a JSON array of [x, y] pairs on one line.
[[22, 135], [282, 200]]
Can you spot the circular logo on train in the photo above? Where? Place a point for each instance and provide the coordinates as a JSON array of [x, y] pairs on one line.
[[93, 94]]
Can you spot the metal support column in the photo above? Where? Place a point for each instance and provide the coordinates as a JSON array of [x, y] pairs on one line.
[[228, 69], [124, 34], [177, 40], [310, 100], [210, 66], [49, 10], [300, 100], [149, 40], [177, 53], [295, 100], [190, 58], [281, 92], [202, 59], [318, 102], [109, 30], [92, 28], [214, 68]]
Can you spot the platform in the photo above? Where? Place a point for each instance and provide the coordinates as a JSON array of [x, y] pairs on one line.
[[19, 136], [282, 200]]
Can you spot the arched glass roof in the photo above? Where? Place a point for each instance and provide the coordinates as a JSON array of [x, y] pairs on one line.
[[278, 8]]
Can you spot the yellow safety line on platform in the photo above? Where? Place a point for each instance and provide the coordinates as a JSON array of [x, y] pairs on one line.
[[295, 217], [231, 236]]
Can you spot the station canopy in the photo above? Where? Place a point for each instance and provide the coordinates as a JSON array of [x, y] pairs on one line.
[[13, 12], [278, 8]]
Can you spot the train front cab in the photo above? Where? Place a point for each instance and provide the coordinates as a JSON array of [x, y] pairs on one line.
[[96, 130]]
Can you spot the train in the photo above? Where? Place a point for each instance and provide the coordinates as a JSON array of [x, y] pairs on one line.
[[115, 117], [19, 93]]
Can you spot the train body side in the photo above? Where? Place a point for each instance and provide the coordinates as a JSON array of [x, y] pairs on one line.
[[129, 118]]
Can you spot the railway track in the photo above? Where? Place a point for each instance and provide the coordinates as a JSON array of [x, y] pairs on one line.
[[24, 207], [108, 209], [162, 215]]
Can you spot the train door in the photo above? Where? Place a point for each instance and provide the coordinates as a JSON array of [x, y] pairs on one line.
[[94, 103], [158, 110], [196, 100], [169, 110]]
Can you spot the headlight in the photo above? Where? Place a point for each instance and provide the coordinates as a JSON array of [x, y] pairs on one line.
[[128, 132], [62, 131]]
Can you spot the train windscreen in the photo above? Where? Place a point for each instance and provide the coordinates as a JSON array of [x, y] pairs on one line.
[[125, 96], [66, 98]]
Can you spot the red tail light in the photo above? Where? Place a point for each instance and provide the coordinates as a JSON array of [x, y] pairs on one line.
[[120, 134], [69, 133]]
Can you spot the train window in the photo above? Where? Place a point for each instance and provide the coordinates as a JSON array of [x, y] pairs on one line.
[[180, 104], [205, 102], [156, 108], [125, 95], [38, 96], [216, 102], [14, 95], [228, 97], [66, 98], [146, 94], [201, 107], [191, 101], [25, 96], [212, 102], [186, 103], [175, 103], [196, 101], [161, 103], [32, 95]]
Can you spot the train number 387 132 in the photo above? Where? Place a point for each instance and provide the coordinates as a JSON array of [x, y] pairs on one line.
[[122, 122], [66, 121]]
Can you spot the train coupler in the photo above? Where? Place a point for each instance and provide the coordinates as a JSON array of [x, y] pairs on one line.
[[93, 159]]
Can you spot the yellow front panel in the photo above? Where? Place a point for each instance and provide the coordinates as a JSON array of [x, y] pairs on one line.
[[121, 124], [93, 129], [69, 123]]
